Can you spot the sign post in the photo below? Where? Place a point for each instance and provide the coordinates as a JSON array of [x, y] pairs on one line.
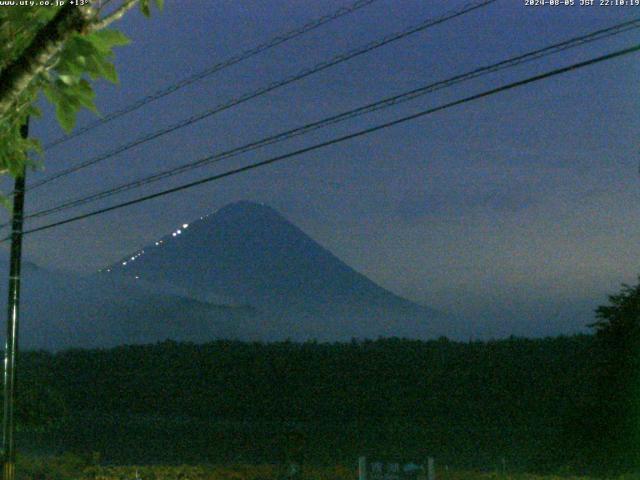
[[362, 468], [394, 470]]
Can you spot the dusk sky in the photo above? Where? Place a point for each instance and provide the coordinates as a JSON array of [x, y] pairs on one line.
[[526, 201]]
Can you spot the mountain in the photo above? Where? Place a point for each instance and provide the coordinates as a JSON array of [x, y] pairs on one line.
[[60, 311], [248, 254]]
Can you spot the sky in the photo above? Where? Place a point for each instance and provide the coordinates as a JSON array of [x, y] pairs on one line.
[[523, 204]]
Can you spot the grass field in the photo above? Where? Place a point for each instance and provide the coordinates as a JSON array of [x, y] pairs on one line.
[[75, 468], [268, 472], [335, 473]]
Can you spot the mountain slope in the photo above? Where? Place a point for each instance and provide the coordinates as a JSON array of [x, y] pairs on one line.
[[62, 311], [248, 254]]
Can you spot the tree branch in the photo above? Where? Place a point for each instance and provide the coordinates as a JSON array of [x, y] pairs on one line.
[[48, 42], [114, 16]]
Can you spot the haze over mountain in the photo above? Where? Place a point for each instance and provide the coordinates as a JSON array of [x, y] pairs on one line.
[[60, 310], [246, 273], [248, 254]]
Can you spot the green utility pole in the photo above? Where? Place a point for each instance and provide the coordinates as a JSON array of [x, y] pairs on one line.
[[11, 347]]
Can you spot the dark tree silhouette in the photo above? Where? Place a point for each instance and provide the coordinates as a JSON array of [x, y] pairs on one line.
[[617, 377], [619, 322]]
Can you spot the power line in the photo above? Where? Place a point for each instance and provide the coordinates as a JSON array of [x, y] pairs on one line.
[[274, 42], [381, 104], [343, 138], [269, 88]]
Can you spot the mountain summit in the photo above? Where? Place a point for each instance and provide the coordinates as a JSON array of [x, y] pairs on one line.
[[248, 254]]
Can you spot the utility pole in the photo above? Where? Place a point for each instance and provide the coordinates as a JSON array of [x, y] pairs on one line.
[[11, 347]]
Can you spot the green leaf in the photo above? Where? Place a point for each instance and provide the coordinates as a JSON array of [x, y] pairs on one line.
[[5, 201], [65, 83], [66, 114], [96, 66], [145, 8], [160, 4], [110, 73], [51, 92], [105, 40], [35, 145], [35, 112], [69, 79], [85, 95]]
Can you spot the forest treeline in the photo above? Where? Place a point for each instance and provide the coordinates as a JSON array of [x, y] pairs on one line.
[[529, 404]]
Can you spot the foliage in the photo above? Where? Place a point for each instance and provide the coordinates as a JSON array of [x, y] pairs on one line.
[[78, 468], [619, 322], [17, 27], [145, 6], [468, 404], [615, 414], [39, 403], [65, 80], [61, 467], [544, 405], [66, 86]]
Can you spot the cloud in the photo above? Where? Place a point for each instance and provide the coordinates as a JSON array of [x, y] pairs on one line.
[[414, 205]]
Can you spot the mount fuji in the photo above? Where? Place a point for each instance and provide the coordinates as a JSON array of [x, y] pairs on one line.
[[248, 255]]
